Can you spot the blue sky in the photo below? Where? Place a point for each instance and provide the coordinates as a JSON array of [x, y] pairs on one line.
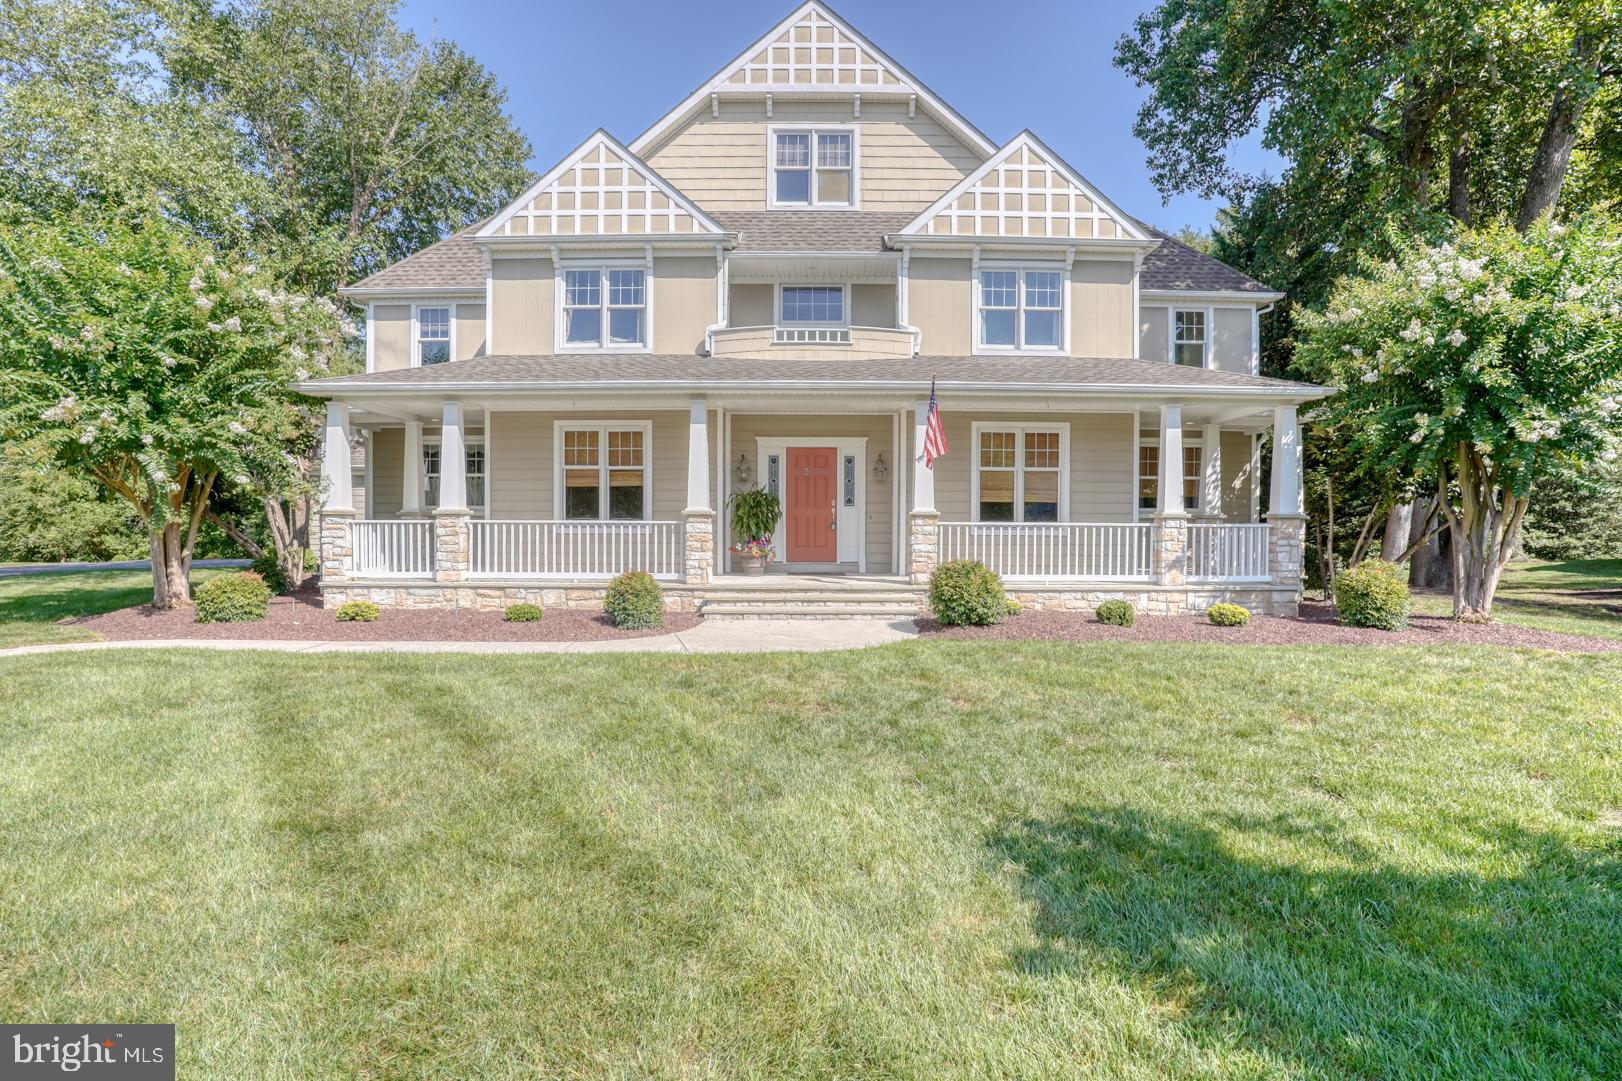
[[571, 66]]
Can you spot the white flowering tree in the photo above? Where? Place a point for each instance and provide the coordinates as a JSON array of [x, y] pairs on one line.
[[1477, 368], [130, 355]]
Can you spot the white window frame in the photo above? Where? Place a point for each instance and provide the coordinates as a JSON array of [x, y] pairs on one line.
[[844, 305], [559, 493], [853, 130], [1207, 314], [560, 305], [1019, 349], [482, 510], [416, 331], [1020, 428], [1190, 442]]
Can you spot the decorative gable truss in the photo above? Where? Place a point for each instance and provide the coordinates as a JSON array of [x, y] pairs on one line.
[[1025, 190], [601, 189]]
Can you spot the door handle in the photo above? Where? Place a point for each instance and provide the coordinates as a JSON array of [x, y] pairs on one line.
[[833, 517]]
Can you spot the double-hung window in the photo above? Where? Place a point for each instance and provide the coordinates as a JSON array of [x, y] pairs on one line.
[[1189, 337], [818, 305], [1019, 473], [1149, 476], [605, 308], [475, 474], [604, 472], [433, 335], [813, 168], [1022, 309]]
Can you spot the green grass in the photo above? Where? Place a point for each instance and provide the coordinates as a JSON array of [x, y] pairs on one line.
[[31, 604], [1560, 597], [931, 860]]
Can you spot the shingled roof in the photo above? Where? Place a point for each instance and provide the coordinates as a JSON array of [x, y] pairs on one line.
[[812, 230], [1174, 265], [454, 263]]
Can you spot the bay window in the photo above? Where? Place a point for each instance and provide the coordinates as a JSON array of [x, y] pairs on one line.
[[1021, 309], [605, 308], [813, 167], [603, 472], [1019, 473]]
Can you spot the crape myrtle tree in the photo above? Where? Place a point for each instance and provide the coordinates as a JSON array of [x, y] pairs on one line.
[[132, 355], [1478, 367]]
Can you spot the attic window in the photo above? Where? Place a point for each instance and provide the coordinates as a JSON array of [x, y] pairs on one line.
[[813, 167]]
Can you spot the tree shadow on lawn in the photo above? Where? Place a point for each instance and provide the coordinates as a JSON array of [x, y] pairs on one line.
[[1341, 963]]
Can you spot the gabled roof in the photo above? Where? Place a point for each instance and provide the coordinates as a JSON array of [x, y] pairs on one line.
[[600, 188], [1025, 190], [1175, 266], [454, 264], [814, 50], [811, 230]]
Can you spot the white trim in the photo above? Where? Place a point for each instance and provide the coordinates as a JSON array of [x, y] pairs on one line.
[[980, 266], [489, 303], [368, 482], [371, 341], [846, 519], [416, 330], [777, 304], [1020, 428], [813, 130], [602, 266], [906, 84], [1224, 297], [1208, 343], [559, 510]]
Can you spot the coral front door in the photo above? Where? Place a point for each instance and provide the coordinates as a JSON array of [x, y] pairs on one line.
[[809, 514]]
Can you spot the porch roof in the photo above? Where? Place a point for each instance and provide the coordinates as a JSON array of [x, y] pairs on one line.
[[688, 372]]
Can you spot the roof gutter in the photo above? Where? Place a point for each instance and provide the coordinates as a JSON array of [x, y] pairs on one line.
[[1300, 392]]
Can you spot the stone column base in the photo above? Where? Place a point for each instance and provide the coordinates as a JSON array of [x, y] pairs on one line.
[[924, 539], [337, 546], [1171, 549], [698, 562], [1286, 549], [452, 546]]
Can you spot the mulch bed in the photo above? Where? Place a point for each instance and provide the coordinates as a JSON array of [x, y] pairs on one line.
[[1316, 626], [301, 618]]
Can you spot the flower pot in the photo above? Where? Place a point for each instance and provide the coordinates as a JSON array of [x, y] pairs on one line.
[[751, 565]]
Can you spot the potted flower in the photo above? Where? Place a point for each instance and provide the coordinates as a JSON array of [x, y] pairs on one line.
[[755, 515]]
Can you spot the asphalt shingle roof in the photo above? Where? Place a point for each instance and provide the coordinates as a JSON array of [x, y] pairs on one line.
[[453, 263], [690, 370], [812, 230], [1174, 265]]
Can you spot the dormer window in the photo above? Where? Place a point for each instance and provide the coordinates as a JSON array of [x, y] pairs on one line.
[[813, 167]]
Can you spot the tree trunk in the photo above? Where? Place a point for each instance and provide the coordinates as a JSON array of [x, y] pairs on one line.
[[171, 586], [1484, 528], [1399, 526], [1430, 567], [1553, 157], [1458, 168]]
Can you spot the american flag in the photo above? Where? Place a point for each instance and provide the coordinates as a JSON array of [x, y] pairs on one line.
[[934, 435]]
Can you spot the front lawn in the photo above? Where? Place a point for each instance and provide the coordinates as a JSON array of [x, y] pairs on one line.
[[1580, 596], [932, 860], [31, 604]]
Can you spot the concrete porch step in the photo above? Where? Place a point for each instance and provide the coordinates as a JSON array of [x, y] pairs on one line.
[[808, 597], [711, 610]]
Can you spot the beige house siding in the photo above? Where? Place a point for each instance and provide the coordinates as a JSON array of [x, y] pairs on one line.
[[522, 322], [683, 302], [470, 331], [1230, 339], [879, 521], [902, 163], [1237, 479], [388, 466], [872, 305], [391, 331], [1153, 341], [751, 306], [1102, 453], [1102, 321], [523, 472], [940, 304]]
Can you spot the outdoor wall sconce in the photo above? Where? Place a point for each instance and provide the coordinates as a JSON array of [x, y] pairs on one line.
[[880, 470], [743, 470]]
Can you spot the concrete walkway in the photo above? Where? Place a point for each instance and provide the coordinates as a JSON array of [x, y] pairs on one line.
[[713, 636], [124, 565]]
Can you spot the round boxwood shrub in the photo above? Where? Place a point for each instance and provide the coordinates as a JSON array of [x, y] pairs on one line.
[[357, 612], [1116, 613], [522, 613], [1372, 594], [635, 602], [268, 567], [1227, 615], [965, 592], [233, 598]]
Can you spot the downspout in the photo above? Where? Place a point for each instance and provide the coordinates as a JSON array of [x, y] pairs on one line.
[[901, 303], [722, 301]]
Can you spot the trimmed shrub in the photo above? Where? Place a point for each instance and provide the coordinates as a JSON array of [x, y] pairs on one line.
[[635, 602], [1372, 594], [1014, 607], [522, 613], [965, 592], [357, 612], [269, 568], [233, 598], [1228, 615], [1116, 613]]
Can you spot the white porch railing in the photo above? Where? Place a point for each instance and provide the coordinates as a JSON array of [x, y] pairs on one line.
[[401, 548], [552, 549], [811, 336], [1053, 549], [1225, 553]]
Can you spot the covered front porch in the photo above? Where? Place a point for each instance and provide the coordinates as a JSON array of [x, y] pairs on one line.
[[477, 502]]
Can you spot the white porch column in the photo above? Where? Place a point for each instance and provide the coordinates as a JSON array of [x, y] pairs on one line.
[[698, 523], [1171, 518], [339, 494], [1211, 471], [923, 477], [452, 461], [1285, 487], [924, 521], [411, 476]]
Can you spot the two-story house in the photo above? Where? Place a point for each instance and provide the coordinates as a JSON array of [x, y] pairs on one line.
[[759, 290]]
